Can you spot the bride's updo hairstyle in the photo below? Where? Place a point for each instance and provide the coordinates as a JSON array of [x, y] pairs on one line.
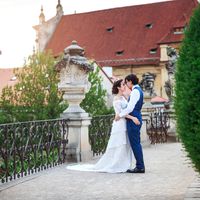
[[116, 85]]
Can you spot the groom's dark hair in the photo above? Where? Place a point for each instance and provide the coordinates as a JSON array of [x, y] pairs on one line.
[[133, 78]]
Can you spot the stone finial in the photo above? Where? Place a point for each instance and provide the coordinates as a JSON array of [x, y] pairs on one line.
[[74, 49], [42, 16], [74, 54], [59, 8]]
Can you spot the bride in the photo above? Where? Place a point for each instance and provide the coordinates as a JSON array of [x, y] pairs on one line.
[[118, 155]]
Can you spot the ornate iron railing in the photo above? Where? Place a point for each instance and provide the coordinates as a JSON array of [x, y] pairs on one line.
[[158, 125], [99, 133], [29, 147]]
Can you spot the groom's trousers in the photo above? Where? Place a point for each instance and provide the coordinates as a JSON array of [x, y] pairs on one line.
[[134, 138]]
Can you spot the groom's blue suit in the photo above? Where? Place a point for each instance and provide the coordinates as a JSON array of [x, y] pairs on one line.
[[134, 131]]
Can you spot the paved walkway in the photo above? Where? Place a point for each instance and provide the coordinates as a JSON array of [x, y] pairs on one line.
[[193, 192], [168, 175]]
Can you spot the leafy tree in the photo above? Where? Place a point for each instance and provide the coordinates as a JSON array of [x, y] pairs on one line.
[[35, 96], [7, 105], [188, 90], [94, 102]]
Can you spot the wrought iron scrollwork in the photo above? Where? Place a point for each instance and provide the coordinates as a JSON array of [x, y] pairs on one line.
[[29, 147], [157, 126], [99, 133]]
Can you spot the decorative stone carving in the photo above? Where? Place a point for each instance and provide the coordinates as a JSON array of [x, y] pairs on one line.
[[171, 64], [73, 70], [171, 67], [147, 84]]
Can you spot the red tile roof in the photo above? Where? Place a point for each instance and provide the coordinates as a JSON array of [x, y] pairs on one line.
[[127, 31], [182, 21]]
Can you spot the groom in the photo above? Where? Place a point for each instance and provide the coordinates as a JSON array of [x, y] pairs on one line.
[[134, 107]]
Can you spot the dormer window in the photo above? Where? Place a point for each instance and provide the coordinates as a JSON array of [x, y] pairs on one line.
[[153, 51], [178, 30], [119, 53], [149, 26], [110, 29]]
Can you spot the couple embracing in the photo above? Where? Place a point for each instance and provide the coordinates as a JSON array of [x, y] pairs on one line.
[[124, 142]]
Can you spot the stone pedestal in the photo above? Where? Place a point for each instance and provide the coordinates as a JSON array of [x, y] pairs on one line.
[[172, 135], [144, 137], [78, 147]]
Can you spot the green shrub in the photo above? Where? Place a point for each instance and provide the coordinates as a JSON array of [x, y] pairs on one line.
[[187, 100]]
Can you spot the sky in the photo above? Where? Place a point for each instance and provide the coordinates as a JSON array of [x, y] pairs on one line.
[[17, 37]]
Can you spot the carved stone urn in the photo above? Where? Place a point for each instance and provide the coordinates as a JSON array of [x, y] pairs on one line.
[[73, 71]]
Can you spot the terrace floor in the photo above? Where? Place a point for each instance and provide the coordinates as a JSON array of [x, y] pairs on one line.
[[168, 176]]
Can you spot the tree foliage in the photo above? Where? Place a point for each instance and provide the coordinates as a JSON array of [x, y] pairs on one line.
[[188, 90], [95, 100], [36, 95]]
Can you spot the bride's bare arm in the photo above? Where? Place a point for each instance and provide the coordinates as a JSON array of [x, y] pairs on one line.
[[134, 119]]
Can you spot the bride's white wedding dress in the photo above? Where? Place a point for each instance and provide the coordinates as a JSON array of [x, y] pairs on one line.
[[118, 155]]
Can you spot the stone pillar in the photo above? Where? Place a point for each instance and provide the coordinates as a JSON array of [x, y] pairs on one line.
[[73, 70], [78, 148], [144, 137], [163, 53], [164, 77], [172, 134]]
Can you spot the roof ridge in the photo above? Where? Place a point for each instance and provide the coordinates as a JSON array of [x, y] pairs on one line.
[[121, 7]]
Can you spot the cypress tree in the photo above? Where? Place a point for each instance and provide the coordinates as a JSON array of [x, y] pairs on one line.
[[187, 100]]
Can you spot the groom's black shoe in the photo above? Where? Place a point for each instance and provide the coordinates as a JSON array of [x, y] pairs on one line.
[[135, 170]]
